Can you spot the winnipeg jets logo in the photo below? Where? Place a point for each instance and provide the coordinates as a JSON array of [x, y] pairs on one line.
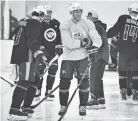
[[50, 34]]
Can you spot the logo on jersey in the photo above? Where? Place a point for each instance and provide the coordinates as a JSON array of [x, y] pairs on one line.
[[50, 34], [78, 34]]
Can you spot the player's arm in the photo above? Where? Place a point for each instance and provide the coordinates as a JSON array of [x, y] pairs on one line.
[[113, 31], [66, 37], [101, 31], [58, 42], [93, 34], [33, 41], [33, 36]]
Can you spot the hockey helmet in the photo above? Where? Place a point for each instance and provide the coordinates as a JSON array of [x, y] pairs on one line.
[[75, 6], [40, 10], [48, 7], [133, 7]]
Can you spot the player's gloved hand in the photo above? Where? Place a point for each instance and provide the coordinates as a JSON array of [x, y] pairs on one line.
[[114, 39], [59, 49], [92, 53], [40, 57], [41, 68], [86, 43]]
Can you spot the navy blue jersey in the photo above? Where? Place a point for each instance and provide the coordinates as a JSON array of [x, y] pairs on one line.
[[50, 36], [27, 39], [127, 28]]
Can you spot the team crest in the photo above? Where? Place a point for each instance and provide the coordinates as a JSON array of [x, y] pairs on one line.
[[50, 34]]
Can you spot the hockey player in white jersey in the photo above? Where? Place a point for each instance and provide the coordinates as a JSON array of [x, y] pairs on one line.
[[78, 36]]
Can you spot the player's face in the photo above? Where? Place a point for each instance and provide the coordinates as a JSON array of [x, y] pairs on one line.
[[48, 16], [76, 14]]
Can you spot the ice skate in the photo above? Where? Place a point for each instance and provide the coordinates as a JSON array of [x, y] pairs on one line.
[[101, 102], [38, 93], [82, 110], [135, 96], [17, 115], [50, 97], [123, 92], [29, 111], [62, 110]]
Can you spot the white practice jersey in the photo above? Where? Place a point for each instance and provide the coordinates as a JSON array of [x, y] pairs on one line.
[[70, 30]]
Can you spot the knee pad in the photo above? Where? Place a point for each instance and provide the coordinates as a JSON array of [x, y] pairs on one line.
[[84, 87], [64, 84], [53, 69]]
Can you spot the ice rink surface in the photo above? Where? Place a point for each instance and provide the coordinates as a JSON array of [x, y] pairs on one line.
[[116, 110]]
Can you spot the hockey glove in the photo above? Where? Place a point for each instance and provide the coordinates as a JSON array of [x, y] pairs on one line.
[[41, 68], [86, 43], [59, 49], [114, 39], [40, 57], [93, 53]]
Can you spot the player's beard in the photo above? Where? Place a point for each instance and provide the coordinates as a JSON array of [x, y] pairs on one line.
[[77, 18]]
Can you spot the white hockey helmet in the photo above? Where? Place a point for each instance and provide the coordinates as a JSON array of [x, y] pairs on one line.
[[75, 6], [48, 7], [133, 7], [40, 9], [29, 14]]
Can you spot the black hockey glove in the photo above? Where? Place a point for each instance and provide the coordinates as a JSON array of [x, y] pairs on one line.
[[86, 43], [41, 68], [59, 49], [92, 52]]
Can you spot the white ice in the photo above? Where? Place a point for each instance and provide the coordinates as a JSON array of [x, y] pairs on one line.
[[115, 110]]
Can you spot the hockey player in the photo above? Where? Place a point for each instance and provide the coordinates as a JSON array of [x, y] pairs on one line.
[[77, 37], [50, 39], [98, 64], [15, 70], [27, 54], [127, 27]]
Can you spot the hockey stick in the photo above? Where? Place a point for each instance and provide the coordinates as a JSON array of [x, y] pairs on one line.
[[34, 106], [7, 81], [50, 63], [84, 74]]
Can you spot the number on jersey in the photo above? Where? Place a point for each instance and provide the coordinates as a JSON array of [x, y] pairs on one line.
[[130, 30]]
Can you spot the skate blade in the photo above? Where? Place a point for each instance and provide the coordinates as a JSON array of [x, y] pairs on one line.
[[49, 99], [101, 106], [94, 107], [17, 118], [30, 115]]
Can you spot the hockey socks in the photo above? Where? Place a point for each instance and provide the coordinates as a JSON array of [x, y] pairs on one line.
[[83, 98], [29, 96], [50, 82], [17, 98], [63, 96]]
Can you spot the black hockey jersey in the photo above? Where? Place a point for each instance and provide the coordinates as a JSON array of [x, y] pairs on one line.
[[50, 36], [127, 28], [26, 41]]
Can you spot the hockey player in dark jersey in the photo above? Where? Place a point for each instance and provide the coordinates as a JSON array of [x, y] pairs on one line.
[[27, 54], [15, 70], [127, 27], [97, 98], [50, 39]]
